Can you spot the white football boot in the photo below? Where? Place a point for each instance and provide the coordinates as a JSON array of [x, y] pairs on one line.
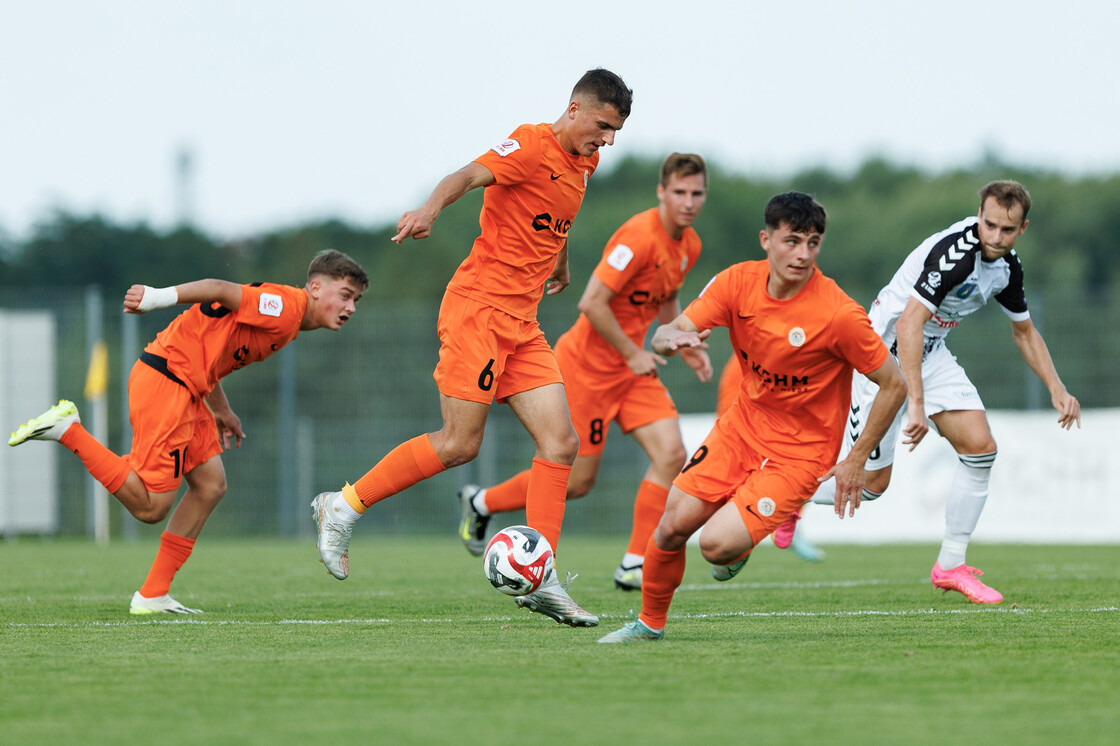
[[334, 534], [164, 604], [50, 425], [552, 600], [628, 578], [472, 524]]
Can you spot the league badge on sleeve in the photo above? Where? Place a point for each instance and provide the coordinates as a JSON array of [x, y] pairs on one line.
[[270, 304], [505, 148], [620, 256]]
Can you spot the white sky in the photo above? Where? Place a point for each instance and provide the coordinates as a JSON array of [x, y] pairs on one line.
[[302, 110]]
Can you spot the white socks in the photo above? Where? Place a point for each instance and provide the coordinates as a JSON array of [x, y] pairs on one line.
[[479, 502], [825, 494], [343, 510], [967, 496], [630, 560]]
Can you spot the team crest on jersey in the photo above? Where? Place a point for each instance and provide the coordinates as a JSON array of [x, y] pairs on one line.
[[684, 263], [270, 304], [620, 257], [586, 175], [965, 290], [766, 507], [796, 336], [507, 147]]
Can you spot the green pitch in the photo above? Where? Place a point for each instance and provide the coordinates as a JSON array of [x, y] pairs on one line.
[[415, 648]]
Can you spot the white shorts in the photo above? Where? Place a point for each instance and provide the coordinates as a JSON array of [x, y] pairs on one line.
[[945, 387]]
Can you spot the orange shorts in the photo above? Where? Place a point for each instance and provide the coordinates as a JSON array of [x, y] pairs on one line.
[[487, 354], [172, 431], [765, 492], [595, 401]]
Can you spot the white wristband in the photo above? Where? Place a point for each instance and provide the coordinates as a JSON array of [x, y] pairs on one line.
[[157, 298]]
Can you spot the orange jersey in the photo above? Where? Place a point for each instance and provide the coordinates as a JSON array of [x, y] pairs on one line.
[[645, 268], [207, 342], [525, 218], [796, 356]]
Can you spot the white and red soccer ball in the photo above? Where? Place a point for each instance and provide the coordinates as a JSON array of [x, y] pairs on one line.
[[517, 560]]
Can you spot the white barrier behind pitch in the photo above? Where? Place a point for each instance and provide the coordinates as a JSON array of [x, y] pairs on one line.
[[1048, 485]]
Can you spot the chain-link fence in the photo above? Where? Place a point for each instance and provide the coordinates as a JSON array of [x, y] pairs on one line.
[[330, 405]]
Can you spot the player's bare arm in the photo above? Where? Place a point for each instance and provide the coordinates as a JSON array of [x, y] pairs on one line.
[[595, 305], [679, 334], [910, 342], [851, 474], [695, 358], [1034, 350], [142, 298], [418, 223], [229, 424], [561, 276]]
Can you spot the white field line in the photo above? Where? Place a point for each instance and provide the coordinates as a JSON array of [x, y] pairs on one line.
[[192, 620]]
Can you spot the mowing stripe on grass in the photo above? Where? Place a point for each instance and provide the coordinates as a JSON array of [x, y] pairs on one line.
[[719, 615]]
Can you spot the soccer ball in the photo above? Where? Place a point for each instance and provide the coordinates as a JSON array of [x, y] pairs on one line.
[[517, 560]]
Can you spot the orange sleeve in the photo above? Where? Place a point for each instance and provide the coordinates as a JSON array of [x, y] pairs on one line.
[[713, 305], [857, 341], [269, 307], [513, 160], [625, 255]]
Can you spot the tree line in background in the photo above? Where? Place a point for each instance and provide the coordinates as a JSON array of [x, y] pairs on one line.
[[362, 393], [876, 216]]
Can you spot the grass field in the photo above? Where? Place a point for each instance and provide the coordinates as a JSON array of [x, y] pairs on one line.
[[415, 648]]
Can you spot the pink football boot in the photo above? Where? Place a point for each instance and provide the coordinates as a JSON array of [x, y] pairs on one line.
[[965, 580]]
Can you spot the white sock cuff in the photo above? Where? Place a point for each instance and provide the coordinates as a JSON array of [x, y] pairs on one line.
[[479, 502], [978, 460], [343, 509]]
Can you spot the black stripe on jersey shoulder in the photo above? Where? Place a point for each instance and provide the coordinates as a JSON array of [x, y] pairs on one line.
[[949, 263], [954, 255], [1014, 296]]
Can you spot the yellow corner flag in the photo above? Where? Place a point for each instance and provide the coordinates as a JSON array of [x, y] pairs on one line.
[[97, 379]]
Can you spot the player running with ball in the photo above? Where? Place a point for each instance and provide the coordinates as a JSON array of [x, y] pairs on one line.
[[491, 346], [608, 374]]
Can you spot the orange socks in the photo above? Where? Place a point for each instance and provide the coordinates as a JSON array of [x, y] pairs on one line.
[[411, 462], [510, 495], [173, 552], [547, 492], [102, 464], [662, 573], [649, 504]]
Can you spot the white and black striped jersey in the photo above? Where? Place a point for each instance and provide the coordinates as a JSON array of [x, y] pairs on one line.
[[948, 275]]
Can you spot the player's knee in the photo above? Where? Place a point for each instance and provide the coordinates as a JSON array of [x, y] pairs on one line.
[[570, 446], [877, 483], [562, 449], [979, 460], [717, 551], [668, 536], [459, 451], [154, 512], [578, 488], [671, 460], [214, 491]]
